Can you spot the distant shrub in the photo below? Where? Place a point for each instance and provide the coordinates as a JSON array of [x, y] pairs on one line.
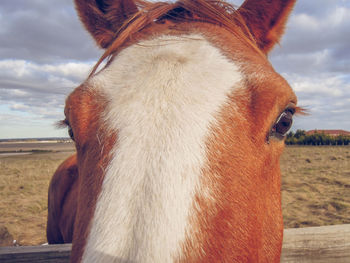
[[318, 138]]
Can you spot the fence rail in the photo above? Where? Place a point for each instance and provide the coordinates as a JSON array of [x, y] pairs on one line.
[[313, 244], [326, 244], [39, 254]]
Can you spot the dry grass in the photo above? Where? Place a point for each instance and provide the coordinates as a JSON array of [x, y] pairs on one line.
[[24, 181], [316, 189], [316, 186]]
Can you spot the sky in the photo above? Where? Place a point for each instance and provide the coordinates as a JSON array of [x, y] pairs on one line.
[[45, 53]]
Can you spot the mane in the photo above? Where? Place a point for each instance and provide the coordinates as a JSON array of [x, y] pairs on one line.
[[215, 12]]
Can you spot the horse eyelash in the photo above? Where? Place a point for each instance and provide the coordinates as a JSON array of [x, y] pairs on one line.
[[301, 111], [62, 124]]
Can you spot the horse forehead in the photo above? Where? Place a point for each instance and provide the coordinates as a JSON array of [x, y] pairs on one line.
[[174, 57], [253, 67]]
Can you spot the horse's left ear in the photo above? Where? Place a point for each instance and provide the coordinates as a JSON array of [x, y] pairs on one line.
[[103, 18], [266, 20]]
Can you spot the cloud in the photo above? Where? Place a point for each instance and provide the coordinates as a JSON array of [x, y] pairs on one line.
[[327, 99], [315, 59], [323, 86], [14, 125], [44, 54], [312, 31], [43, 31], [39, 89]]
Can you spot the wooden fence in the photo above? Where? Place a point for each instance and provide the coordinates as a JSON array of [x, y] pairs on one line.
[[327, 244]]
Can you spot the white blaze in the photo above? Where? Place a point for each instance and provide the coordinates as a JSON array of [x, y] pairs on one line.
[[163, 96]]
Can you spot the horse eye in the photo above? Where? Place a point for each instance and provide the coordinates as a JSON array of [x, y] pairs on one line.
[[70, 132], [283, 124]]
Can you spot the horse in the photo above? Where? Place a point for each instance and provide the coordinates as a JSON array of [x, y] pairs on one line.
[[178, 133]]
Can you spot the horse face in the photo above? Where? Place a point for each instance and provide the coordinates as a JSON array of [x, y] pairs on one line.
[[178, 139]]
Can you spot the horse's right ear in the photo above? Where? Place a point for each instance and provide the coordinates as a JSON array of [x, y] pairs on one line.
[[103, 18]]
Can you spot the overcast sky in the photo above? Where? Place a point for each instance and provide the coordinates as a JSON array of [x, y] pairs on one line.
[[45, 54]]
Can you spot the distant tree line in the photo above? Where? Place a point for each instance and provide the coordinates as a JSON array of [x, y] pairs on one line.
[[318, 138]]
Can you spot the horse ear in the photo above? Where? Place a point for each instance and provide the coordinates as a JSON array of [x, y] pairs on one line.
[[266, 20], [103, 18]]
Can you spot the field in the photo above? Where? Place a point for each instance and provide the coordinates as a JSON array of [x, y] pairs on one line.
[[24, 181], [315, 187]]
